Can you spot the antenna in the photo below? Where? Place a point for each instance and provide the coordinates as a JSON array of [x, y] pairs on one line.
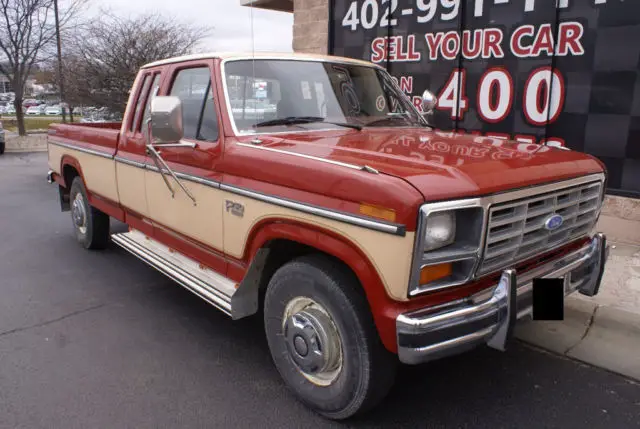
[[253, 62]]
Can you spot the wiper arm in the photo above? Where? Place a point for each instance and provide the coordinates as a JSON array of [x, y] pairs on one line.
[[390, 117], [293, 120], [290, 120]]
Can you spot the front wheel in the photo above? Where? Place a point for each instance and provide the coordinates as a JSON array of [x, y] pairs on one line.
[[322, 338]]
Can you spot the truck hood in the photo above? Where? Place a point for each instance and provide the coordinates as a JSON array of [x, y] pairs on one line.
[[442, 165]]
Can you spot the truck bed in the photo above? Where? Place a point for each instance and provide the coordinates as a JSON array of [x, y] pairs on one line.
[[101, 136]]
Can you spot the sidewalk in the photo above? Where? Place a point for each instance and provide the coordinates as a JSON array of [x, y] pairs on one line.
[[603, 330], [30, 143]]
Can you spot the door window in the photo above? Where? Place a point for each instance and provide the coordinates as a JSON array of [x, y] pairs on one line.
[[193, 87]]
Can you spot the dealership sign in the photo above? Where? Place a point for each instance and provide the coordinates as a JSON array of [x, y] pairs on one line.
[[559, 72]]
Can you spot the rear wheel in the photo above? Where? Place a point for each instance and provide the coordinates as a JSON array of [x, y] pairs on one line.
[[323, 340], [90, 224]]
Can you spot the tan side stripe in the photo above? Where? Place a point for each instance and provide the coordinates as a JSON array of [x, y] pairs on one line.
[[79, 148]]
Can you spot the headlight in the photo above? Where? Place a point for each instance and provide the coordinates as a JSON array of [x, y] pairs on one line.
[[448, 241], [440, 230]]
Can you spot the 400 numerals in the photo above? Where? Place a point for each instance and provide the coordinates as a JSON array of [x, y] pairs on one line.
[[544, 93]]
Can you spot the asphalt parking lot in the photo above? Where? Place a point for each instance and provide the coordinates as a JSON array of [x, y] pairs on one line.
[[100, 340]]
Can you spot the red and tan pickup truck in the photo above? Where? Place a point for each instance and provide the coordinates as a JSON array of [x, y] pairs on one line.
[[309, 189]]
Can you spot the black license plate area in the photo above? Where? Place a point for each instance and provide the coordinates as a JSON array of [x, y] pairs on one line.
[[548, 299]]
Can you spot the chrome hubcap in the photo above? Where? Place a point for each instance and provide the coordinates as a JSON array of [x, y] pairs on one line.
[[312, 340], [79, 213]]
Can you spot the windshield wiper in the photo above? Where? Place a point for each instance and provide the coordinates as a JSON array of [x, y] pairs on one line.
[[390, 117], [294, 120]]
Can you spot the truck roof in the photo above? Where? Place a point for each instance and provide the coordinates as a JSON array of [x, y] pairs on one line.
[[260, 55]]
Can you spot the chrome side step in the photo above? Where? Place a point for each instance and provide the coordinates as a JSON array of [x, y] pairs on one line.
[[217, 290]]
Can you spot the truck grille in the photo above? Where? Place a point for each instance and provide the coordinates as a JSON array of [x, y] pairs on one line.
[[516, 229]]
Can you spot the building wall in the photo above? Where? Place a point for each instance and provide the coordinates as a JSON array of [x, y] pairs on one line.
[[311, 26], [620, 216]]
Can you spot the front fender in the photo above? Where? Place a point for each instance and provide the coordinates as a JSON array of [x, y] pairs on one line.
[[343, 249]]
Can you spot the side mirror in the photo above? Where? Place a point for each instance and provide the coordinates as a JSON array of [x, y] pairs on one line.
[[166, 119], [429, 102]]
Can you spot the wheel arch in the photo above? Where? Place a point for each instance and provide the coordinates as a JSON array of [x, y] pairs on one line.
[[272, 243]]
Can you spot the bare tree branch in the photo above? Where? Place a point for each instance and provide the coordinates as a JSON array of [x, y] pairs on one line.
[[104, 56], [26, 32]]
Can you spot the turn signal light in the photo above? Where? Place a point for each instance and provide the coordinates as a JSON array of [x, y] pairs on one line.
[[378, 212], [434, 272]]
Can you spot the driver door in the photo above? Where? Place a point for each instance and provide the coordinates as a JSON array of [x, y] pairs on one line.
[[191, 221]]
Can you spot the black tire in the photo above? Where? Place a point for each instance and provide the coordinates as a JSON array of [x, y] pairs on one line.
[[94, 231], [2, 147], [368, 369]]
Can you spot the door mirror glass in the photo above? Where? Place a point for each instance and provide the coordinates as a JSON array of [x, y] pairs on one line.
[[429, 102], [166, 119]]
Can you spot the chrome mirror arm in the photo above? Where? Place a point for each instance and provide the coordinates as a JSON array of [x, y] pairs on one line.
[[162, 166]]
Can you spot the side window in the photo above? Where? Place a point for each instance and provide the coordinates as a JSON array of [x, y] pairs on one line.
[[193, 87], [143, 91], [155, 85]]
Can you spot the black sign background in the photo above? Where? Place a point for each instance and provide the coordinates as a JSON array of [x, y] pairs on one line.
[[566, 75]]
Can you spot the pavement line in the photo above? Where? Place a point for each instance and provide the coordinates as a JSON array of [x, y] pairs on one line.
[[38, 325], [586, 331]]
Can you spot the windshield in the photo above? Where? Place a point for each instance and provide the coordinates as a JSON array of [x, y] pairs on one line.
[[278, 95]]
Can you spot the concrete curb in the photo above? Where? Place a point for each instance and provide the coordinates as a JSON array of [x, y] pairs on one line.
[[600, 335], [33, 142]]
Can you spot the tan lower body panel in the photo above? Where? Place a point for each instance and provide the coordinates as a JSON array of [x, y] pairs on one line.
[[99, 173], [132, 188], [209, 223], [390, 254], [202, 221]]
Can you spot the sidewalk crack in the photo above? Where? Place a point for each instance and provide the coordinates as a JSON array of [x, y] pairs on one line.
[[48, 322], [586, 331]]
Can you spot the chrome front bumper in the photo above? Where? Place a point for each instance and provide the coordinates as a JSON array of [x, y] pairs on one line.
[[489, 316]]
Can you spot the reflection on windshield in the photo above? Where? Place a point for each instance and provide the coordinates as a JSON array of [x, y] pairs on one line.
[[268, 96]]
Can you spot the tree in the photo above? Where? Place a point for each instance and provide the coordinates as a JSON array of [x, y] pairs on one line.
[[109, 52], [27, 30]]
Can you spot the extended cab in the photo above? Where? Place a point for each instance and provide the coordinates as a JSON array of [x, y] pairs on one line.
[[311, 189]]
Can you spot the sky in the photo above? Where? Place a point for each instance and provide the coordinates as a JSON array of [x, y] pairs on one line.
[[230, 22]]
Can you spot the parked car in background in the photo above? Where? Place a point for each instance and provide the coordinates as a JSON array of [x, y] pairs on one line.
[[30, 102], [53, 110], [36, 110], [3, 109], [11, 110]]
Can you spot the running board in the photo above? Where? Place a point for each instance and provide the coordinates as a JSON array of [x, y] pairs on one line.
[[217, 290]]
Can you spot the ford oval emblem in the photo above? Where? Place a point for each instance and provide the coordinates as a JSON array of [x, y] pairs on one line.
[[553, 222]]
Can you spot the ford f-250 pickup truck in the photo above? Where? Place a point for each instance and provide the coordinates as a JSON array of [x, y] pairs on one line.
[[309, 189]]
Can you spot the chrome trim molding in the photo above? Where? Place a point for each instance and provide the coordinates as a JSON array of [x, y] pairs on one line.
[[485, 202], [389, 228], [302, 155], [189, 177], [130, 162], [79, 148], [489, 315], [386, 227]]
